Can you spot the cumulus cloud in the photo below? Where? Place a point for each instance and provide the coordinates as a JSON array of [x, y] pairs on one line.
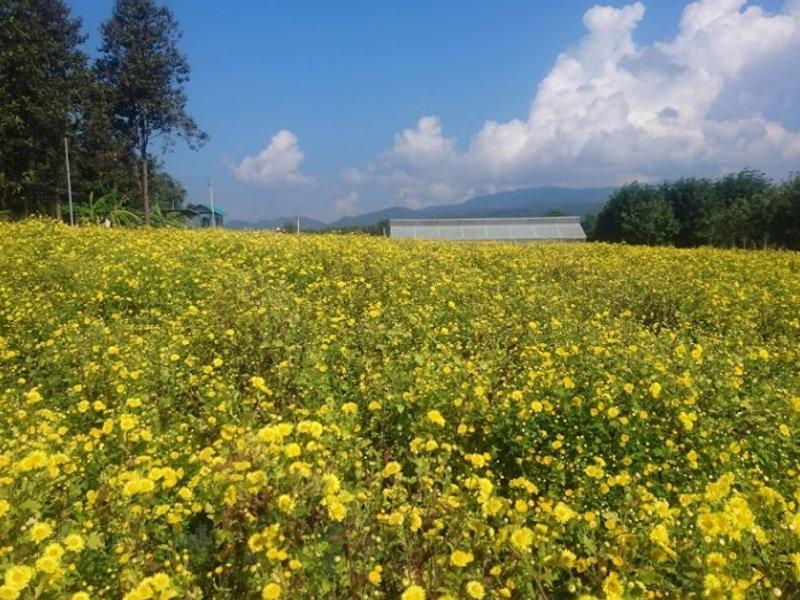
[[277, 164], [610, 110], [420, 167], [423, 146]]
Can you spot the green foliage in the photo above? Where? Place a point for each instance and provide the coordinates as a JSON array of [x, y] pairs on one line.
[[116, 207], [48, 92], [111, 205], [161, 216], [589, 224], [42, 71], [745, 201], [693, 201], [146, 72], [210, 414], [555, 212], [101, 157], [379, 229], [648, 219], [785, 226], [630, 200], [167, 192], [742, 210]]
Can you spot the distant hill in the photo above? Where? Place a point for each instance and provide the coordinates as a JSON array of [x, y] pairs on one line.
[[306, 223], [529, 202]]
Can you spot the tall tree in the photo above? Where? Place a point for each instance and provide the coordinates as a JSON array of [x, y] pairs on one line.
[[693, 202], [142, 64], [747, 201], [744, 209], [102, 158], [608, 227], [166, 191], [786, 218], [637, 213], [42, 75], [648, 219]]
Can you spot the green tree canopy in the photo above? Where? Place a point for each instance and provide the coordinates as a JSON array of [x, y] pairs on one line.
[[42, 75], [142, 65], [693, 202], [785, 226], [647, 218], [744, 210], [637, 213]]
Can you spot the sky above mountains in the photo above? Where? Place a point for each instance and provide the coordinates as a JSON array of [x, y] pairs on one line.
[[328, 109]]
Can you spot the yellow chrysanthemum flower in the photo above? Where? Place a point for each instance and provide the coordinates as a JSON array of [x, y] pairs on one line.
[[475, 590], [40, 531], [522, 539], [271, 591], [460, 558], [413, 592]]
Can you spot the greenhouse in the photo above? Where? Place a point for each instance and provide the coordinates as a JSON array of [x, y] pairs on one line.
[[535, 229]]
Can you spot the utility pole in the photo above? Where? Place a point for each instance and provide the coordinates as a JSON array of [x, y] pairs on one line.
[[211, 201], [298, 224], [69, 182]]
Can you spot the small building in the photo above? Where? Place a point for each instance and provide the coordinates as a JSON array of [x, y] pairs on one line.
[[534, 229], [199, 215]]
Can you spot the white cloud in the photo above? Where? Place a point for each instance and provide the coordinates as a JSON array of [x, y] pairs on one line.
[[609, 105], [725, 37], [421, 166], [277, 164], [610, 109], [346, 205], [423, 146]]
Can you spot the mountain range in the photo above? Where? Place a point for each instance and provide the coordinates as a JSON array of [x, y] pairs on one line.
[[528, 202], [306, 223]]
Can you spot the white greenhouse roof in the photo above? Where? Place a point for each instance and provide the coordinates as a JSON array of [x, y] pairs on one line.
[[538, 229]]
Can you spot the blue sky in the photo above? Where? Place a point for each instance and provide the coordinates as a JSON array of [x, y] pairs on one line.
[[415, 103]]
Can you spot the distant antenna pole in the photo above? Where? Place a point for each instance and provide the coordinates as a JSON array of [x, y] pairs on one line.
[[69, 182], [298, 224], [211, 201]]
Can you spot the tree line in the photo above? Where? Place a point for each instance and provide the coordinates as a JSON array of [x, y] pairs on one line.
[[112, 110], [741, 210]]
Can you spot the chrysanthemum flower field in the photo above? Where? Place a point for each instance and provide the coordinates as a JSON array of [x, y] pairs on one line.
[[189, 414]]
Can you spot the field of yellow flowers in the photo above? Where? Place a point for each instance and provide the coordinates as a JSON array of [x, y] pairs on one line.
[[189, 414]]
